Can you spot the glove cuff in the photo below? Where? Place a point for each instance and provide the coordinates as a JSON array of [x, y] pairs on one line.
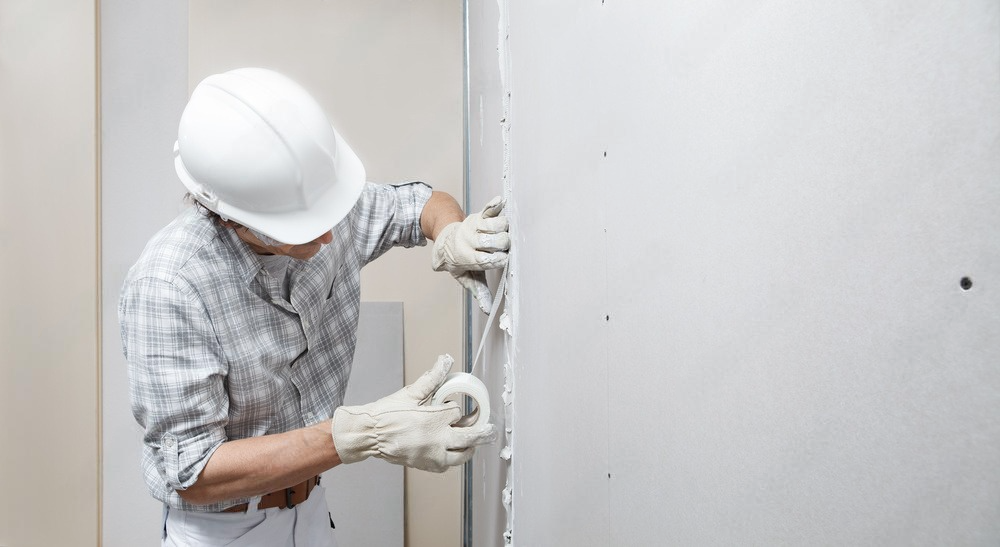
[[353, 432], [439, 252]]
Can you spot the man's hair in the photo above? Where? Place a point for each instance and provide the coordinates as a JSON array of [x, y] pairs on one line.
[[190, 200]]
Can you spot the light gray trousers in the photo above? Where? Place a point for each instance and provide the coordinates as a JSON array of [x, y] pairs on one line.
[[305, 525]]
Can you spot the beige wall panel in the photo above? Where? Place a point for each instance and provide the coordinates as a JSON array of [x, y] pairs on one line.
[[389, 75], [48, 238]]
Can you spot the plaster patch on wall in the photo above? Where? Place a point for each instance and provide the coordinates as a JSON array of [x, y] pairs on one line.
[[505, 324], [507, 452], [508, 385], [506, 320]]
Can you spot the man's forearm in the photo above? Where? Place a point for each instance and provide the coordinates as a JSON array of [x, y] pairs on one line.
[[439, 211], [259, 465]]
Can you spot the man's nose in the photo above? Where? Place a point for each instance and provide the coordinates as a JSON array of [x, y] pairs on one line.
[[325, 238]]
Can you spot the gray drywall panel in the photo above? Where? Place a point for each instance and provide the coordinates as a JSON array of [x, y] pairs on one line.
[[745, 324], [366, 498], [143, 91]]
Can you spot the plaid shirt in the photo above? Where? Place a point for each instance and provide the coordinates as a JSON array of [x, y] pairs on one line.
[[216, 353]]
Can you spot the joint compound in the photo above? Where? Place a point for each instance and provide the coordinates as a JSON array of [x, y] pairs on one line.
[[507, 320], [505, 324]]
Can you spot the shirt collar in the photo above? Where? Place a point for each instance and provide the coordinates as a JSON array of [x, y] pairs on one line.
[[248, 262]]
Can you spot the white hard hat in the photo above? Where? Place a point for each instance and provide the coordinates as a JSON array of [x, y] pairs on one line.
[[255, 147]]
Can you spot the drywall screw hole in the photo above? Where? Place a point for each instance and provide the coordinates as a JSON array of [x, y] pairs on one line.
[[966, 283], [607, 318], [605, 153]]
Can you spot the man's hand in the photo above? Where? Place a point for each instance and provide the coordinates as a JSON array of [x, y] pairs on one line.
[[466, 249], [404, 429]]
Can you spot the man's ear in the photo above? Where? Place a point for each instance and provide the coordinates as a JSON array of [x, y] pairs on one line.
[[228, 223]]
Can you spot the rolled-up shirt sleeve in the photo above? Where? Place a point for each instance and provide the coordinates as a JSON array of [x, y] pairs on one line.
[[176, 375], [388, 216]]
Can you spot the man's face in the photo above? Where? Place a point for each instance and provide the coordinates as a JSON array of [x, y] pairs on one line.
[[304, 251]]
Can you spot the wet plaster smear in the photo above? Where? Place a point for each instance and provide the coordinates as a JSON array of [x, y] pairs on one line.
[[507, 318], [494, 467]]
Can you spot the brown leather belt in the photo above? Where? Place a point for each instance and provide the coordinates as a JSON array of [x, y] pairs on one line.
[[284, 499]]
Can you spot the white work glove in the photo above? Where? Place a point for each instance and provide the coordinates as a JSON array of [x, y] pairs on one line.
[[405, 429], [466, 249]]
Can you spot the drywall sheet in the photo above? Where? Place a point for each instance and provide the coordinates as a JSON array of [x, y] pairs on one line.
[[366, 498], [143, 91], [755, 274]]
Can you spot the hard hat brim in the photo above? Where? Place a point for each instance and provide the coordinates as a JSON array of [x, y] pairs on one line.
[[295, 227]]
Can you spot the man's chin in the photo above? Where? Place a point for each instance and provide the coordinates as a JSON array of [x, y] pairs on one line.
[[306, 251]]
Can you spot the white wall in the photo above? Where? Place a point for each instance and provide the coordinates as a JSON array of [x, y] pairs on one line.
[[48, 241], [744, 323], [389, 75]]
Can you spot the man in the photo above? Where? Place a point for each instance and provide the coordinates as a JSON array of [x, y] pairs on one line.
[[239, 319]]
